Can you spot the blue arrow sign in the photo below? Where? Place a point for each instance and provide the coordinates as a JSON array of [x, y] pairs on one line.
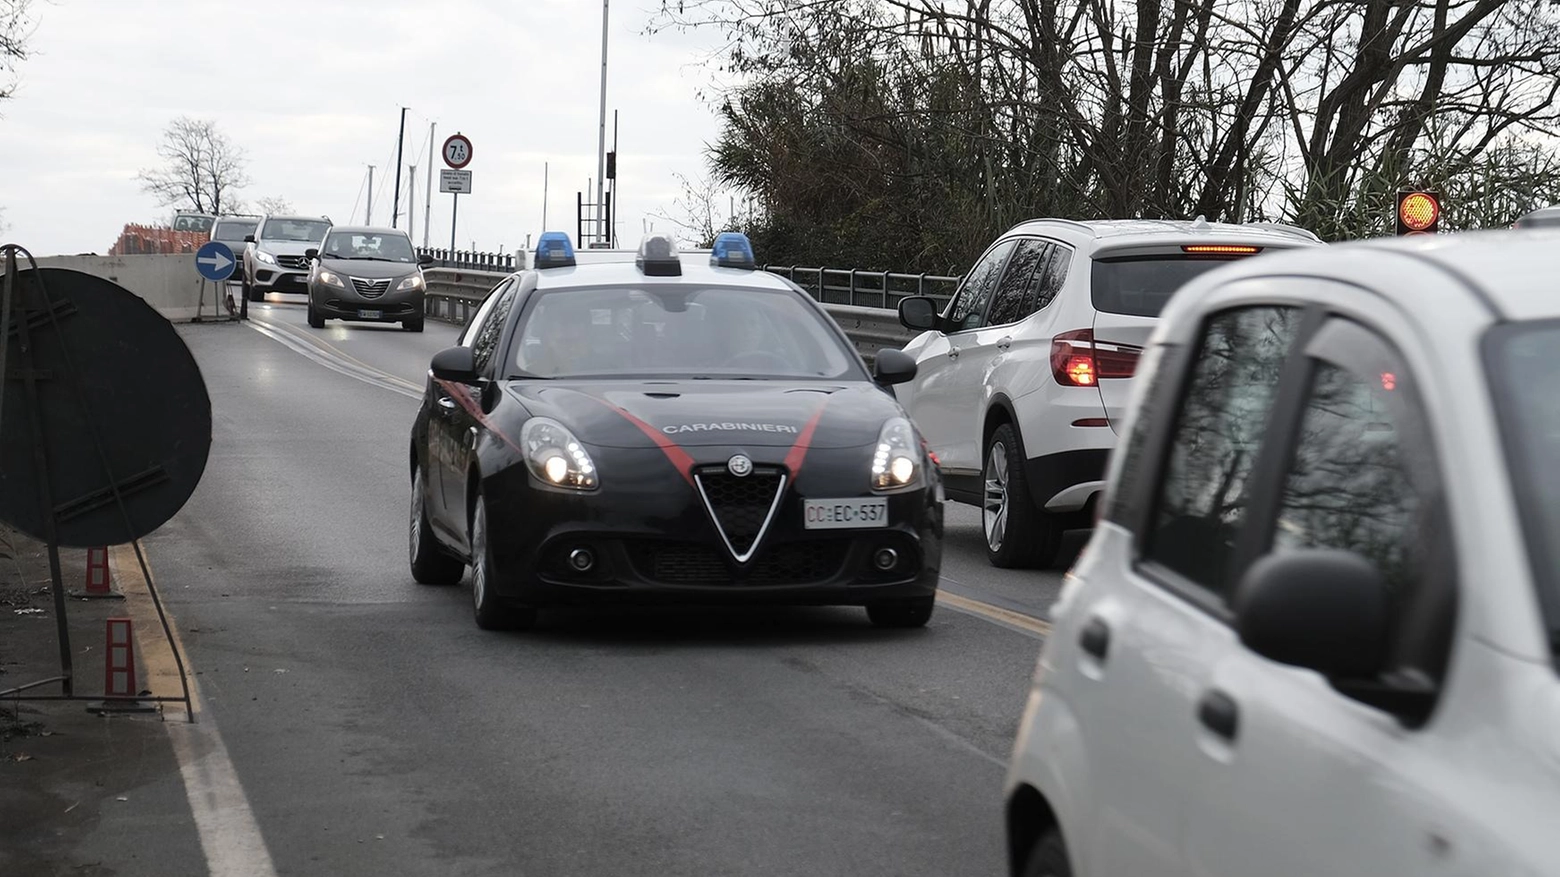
[[214, 260]]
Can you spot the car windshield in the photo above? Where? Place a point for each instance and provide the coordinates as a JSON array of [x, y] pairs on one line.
[[192, 223], [300, 230], [1524, 362], [679, 331], [369, 245], [1140, 286], [233, 229]]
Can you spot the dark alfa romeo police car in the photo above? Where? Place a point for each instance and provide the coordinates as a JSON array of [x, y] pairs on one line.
[[669, 430]]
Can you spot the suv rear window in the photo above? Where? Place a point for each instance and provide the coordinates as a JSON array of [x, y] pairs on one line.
[[1140, 286]]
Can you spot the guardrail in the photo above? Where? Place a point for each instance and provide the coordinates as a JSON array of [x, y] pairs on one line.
[[453, 295], [473, 261], [872, 289]]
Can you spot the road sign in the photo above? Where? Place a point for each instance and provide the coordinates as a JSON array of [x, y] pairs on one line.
[[456, 182], [214, 260], [457, 151]]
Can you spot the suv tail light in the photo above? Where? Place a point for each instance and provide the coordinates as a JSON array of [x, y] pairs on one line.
[[1077, 360]]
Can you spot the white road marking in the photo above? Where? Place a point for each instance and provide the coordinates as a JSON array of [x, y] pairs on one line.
[[230, 836]]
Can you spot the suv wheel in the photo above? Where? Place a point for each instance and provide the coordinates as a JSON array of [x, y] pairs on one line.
[[1018, 533], [316, 319]]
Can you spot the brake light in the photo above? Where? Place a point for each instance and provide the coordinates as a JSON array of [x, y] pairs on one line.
[[1077, 360], [1221, 249]]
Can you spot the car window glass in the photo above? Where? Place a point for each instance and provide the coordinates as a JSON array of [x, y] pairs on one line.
[[1047, 280], [482, 311], [485, 342], [1007, 305], [1220, 424], [969, 307], [1355, 483]]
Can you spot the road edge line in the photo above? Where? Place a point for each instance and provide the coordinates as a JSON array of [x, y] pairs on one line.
[[230, 836]]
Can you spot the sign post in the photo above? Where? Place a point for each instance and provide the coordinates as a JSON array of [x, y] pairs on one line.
[[214, 261], [457, 154]]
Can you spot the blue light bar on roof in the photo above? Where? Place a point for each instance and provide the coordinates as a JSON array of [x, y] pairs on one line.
[[732, 250], [553, 250]]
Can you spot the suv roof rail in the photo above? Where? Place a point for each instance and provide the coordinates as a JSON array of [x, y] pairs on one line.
[[1061, 221]]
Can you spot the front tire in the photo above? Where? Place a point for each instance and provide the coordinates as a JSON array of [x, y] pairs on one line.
[[915, 612], [1018, 534], [490, 611], [316, 319], [415, 324], [253, 293], [1048, 857], [430, 566]]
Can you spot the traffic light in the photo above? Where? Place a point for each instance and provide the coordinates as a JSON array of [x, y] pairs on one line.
[[1418, 212]]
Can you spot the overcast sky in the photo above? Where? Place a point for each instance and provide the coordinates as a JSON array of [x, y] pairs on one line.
[[312, 92]]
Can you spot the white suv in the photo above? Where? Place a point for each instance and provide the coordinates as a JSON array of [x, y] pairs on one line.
[[1317, 630], [1021, 381]]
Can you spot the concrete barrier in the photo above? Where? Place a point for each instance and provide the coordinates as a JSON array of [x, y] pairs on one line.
[[167, 282]]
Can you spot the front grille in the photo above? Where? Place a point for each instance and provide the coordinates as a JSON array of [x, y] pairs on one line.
[[740, 506], [292, 261], [795, 563], [370, 288]]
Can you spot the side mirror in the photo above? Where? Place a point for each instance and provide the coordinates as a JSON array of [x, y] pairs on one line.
[[918, 312], [425, 259], [1321, 609], [455, 364], [249, 238], [893, 367], [311, 254]]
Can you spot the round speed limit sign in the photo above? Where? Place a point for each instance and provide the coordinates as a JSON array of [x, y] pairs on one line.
[[457, 151]]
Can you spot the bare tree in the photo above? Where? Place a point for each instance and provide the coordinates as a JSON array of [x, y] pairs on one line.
[[937, 123], [273, 205], [201, 171], [15, 28]]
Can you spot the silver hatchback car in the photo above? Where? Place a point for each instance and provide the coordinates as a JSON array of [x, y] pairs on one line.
[[368, 274]]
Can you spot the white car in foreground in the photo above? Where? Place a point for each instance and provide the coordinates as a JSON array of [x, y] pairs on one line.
[[1317, 630]]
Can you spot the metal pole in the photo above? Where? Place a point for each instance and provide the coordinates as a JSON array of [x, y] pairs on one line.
[[612, 213], [601, 140], [400, 140], [454, 207], [428, 196], [368, 215], [411, 204], [544, 199]]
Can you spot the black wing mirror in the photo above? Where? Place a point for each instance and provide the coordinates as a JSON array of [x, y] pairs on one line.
[[918, 312], [892, 367], [455, 364], [1330, 611], [425, 259], [249, 238], [311, 254]]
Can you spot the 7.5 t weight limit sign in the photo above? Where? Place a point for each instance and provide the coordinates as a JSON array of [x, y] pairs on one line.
[[457, 151]]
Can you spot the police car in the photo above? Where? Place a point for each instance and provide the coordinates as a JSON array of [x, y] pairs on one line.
[[1317, 630], [675, 429]]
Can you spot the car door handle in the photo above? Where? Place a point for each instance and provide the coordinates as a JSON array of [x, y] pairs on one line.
[[1095, 638], [953, 353], [1004, 342], [446, 403], [1219, 713]]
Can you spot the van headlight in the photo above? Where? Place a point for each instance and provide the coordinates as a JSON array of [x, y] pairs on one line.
[[555, 456], [896, 463]]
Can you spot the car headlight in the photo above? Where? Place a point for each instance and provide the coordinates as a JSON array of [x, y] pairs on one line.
[[555, 456], [897, 461], [265, 257], [331, 279], [414, 281]]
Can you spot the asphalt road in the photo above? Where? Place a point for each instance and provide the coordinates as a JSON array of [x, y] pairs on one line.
[[373, 729]]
